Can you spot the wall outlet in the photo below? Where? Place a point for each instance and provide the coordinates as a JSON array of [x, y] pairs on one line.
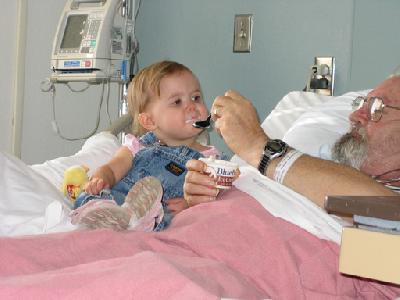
[[242, 33], [322, 76]]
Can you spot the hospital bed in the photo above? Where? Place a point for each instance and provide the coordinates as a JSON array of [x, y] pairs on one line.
[[260, 240]]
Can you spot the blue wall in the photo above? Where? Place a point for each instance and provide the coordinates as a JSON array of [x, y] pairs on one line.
[[287, 34], [376, 43]]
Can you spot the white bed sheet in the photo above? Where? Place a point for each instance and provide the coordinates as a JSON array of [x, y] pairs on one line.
[[31, 201], [288, 205]]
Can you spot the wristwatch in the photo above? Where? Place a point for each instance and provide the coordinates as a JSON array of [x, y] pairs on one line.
[[273, 149]]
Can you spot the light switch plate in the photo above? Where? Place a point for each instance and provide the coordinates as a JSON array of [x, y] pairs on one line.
[[242, 33]]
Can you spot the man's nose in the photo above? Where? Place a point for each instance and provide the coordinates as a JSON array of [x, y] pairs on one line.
[[360, 115]]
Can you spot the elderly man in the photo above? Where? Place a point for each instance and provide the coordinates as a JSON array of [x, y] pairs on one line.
[[372, 146]]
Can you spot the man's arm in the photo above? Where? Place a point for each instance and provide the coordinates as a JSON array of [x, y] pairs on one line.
[[236, 120], [316, 178]]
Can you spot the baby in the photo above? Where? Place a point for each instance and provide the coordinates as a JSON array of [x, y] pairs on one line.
[[133, 188]]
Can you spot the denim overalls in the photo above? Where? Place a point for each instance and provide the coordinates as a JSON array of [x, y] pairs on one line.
[[164, 162]]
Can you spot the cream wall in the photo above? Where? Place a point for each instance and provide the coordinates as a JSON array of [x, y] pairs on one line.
[[8, 41], [376, 45]]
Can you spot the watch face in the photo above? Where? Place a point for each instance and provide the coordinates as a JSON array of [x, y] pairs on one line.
[[275, 146], [273, 149]]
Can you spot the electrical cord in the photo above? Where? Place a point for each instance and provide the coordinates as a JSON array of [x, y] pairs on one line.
[[48, 86], [77, 91], [108, 103], [310, 76], [135, 67], [56, 128], [313, 81], [137, 10]]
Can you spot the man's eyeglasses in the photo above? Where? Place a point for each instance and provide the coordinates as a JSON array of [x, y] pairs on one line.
[[375, 107]]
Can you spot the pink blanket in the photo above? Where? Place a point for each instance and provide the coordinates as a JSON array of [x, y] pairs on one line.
[[230, 248]]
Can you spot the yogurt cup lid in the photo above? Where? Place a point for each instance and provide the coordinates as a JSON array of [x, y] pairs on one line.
[[211, 161]]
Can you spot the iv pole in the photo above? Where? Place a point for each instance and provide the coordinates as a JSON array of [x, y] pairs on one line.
[[127, 11]]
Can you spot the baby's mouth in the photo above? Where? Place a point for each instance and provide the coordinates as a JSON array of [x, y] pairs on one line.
[[191, 120]]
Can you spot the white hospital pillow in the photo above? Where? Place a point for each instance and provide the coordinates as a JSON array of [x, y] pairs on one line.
[[285, 113], [96, 151], [288, 110], [317, 129]]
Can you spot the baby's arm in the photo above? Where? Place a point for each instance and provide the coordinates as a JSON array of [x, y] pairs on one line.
[[111, 172]]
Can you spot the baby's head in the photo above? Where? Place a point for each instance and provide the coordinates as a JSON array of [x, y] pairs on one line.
[[146, 85]]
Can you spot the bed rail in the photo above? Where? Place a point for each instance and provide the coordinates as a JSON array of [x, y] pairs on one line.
[[122, 124]]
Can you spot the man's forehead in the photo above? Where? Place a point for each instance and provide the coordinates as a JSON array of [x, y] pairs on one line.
[[388, 90]]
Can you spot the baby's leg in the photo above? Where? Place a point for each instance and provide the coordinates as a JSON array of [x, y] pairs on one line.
[[141, 209], [144, 204]]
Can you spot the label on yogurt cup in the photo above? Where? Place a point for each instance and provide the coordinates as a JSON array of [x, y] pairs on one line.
[[224, 171]]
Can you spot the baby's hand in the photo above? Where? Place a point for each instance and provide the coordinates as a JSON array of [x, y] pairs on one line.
[[95, 185]]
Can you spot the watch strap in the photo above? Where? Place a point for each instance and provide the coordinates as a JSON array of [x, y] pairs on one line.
[[263, 163]]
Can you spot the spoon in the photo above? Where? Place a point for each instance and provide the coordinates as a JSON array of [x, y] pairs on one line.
[[203, 124]]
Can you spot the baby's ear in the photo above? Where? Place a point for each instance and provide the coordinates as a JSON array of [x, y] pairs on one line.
[[146, 121]]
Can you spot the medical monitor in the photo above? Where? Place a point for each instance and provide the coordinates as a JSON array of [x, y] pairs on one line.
[[73, 33], [91, 42]]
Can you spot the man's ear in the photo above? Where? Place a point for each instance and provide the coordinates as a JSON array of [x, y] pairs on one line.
[[146, 121]]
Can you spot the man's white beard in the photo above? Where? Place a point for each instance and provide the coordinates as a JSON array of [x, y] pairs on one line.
[[351, 151]]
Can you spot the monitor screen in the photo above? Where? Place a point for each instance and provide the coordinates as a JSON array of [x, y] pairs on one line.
[[73, 31]]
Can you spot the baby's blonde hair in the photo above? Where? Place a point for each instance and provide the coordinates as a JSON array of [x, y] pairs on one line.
[[145, 85]]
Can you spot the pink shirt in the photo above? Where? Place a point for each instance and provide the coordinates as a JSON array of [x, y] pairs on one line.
[[132, 143]]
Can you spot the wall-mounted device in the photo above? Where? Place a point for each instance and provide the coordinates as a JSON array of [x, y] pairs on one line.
[[93, 42], [321, 78]]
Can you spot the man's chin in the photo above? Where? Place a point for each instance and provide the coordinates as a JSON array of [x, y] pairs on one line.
[[355, 135], [350, 149]]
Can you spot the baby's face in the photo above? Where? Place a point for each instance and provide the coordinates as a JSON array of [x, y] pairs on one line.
[[179, 105]]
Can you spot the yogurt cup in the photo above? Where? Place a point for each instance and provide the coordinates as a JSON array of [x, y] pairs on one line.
[[225, 171]]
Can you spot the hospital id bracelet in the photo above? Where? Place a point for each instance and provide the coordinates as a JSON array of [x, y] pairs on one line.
[[273, 149], [285, 164]]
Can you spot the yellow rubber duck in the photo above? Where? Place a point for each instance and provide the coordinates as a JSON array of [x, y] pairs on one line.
[[75, 178]]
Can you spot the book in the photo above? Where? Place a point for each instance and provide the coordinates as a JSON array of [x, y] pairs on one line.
[[371, 254], [382, 207]]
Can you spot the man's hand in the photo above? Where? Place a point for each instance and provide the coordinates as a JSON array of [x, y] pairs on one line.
[[236, 120]]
